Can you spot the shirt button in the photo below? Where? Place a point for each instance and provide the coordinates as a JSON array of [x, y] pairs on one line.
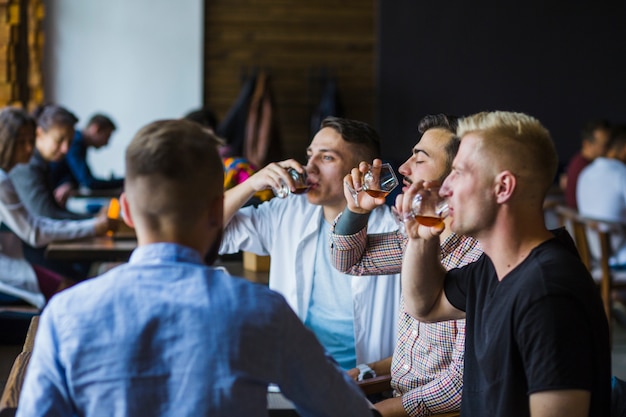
[[406, 367], [414, 332]]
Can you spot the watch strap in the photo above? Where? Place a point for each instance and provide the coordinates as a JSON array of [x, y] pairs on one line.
[[365, 372]]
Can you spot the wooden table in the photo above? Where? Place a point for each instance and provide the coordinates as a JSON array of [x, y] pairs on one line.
[[93, 249]]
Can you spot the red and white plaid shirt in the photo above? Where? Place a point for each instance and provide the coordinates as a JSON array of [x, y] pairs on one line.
[[427, 364]]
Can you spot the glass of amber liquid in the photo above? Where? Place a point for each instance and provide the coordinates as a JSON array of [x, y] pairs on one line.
[[300, 180], [428, 207], [378, 182]]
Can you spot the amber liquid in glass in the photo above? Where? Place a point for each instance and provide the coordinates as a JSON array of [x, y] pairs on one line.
[[377, 193], [113, 212], [300, 190], [429, 221]]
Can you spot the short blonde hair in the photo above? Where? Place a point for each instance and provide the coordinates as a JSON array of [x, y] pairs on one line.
[[516, 142]]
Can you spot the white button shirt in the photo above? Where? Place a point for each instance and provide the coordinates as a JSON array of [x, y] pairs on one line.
[[286, 229]]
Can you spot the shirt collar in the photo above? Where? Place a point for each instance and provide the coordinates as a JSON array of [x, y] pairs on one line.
[[450, 244], [165, 252]]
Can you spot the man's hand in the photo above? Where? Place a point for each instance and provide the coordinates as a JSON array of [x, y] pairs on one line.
[[353, 373], [105, 224], [63, 192], [360, 202], [391, 407], [272, 175], [404, 210]]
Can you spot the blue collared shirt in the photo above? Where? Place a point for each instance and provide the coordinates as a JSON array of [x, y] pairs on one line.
[[165, 335]]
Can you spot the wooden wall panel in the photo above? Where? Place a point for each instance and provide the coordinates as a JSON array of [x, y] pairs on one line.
[[21, 50], [294, 41]]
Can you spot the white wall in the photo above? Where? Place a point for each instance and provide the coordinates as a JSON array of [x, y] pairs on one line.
[[136, 60]]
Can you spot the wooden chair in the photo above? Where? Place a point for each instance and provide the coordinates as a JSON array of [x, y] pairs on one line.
[[382, 383], [571, 220], [589, 232], [599, 235], [13, 387]]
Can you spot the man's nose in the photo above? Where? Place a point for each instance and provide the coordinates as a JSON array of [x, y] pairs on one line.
[[445, 189], [310, 165], [403, 169]]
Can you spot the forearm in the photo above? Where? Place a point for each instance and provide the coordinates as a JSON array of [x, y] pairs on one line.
[[349, 223], [381, 367], [83, 175], [44, 206], [422, 278], [235, 198], [47, 230], [560, 403], [39, 200], [391, 407], [355, 252]]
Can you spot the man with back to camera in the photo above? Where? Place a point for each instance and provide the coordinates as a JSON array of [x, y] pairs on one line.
[[427, 365], [354, 318], [166, 334], [537, 341]]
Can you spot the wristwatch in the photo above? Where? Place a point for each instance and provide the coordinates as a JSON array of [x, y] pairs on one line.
[[365, 372]]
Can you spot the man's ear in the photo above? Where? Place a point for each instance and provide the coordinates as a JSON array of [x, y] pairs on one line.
[[126, 216], [39, 131], [505, 184]]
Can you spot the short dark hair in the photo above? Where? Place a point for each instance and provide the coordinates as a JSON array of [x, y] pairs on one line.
[[358, 133], [102, 121], [439, 121], [617, 141], [53, 115], [179, 161], [591, 126], [446, 122], [204, 116], [173, 149], [12, 119]]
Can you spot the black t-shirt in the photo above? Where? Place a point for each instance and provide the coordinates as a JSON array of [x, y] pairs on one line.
[[541, 328]]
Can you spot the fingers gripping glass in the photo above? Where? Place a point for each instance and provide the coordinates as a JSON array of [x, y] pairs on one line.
[[377, 182], [300, 180], [428, 208]]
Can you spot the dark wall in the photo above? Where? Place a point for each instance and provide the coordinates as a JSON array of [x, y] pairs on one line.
[[562, 62]]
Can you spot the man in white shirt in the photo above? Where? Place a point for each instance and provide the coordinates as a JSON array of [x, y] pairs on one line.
[[354, 318], [601, 191]]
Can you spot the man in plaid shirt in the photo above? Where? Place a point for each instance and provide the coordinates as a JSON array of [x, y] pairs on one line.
[[427, 365]]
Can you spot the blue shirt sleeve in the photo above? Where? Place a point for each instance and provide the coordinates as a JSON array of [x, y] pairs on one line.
[[312, 379], [45, 391], [76, 159]]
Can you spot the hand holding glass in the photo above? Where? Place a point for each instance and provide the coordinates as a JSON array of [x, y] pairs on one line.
[[377, 182], [300, 180], [428, 208]]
